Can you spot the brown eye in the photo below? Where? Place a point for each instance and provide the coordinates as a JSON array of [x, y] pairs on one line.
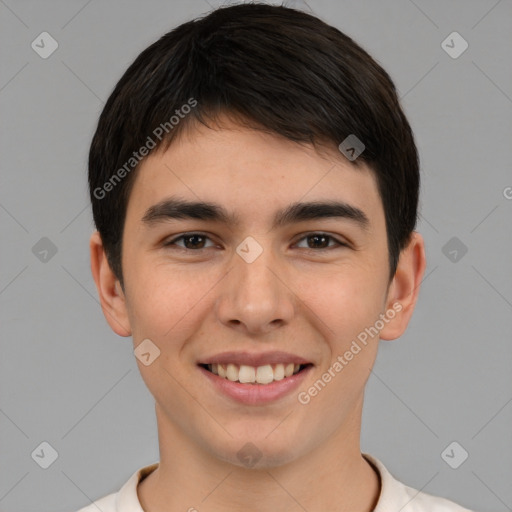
[[316, 241], [191, 241], [319, 241]]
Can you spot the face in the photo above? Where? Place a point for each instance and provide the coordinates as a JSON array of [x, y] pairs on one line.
[[256, 283]]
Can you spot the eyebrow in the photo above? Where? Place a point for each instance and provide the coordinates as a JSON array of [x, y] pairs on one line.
[[177, 208]]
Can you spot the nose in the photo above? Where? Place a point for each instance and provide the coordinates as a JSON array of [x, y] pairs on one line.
[[254, 297]]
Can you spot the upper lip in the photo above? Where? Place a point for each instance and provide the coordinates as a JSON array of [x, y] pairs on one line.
[[249, 359]]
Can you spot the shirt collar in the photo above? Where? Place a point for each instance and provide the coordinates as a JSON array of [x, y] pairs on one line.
[[127, 499], [392, 493]]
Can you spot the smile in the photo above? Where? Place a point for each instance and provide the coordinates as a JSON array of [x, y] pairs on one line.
[[244, 374], [263, 383]]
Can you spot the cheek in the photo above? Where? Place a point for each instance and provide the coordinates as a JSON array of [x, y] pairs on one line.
[[345, 315], [166, 303], [344, 303]]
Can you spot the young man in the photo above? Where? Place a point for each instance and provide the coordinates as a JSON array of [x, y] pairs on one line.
[[254, 183]]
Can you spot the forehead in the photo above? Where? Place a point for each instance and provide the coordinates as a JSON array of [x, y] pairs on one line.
[[251, 173]]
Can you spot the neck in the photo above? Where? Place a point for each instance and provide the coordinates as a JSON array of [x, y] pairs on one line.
[[334, 476]]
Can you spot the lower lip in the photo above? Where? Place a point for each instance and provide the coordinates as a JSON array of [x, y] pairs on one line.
[[256, 394]]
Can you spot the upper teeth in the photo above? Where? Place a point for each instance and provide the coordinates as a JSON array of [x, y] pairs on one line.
[[250, 374]]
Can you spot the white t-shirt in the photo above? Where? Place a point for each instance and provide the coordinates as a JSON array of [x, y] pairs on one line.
[[394, 495]]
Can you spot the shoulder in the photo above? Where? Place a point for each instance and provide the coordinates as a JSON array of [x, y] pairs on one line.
[[395, 495], [105, 504], [423, 502], [126, 498]]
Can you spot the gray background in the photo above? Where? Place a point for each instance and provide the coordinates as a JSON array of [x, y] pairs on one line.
[[67, 379]]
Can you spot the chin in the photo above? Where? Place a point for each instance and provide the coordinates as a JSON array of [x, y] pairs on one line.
[[256, 452]]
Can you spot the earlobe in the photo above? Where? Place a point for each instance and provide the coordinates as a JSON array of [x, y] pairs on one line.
[[111, 296], [404, 289]]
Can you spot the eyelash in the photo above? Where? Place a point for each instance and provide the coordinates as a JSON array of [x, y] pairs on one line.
[[170, 243]]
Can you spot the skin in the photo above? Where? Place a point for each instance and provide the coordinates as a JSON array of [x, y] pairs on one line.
[[308, 297]]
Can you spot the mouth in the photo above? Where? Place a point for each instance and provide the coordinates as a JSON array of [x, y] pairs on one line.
[[255, 386], [255, 375]]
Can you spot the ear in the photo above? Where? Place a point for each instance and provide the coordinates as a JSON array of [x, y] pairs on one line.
[[404, 288], [111, 296]]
